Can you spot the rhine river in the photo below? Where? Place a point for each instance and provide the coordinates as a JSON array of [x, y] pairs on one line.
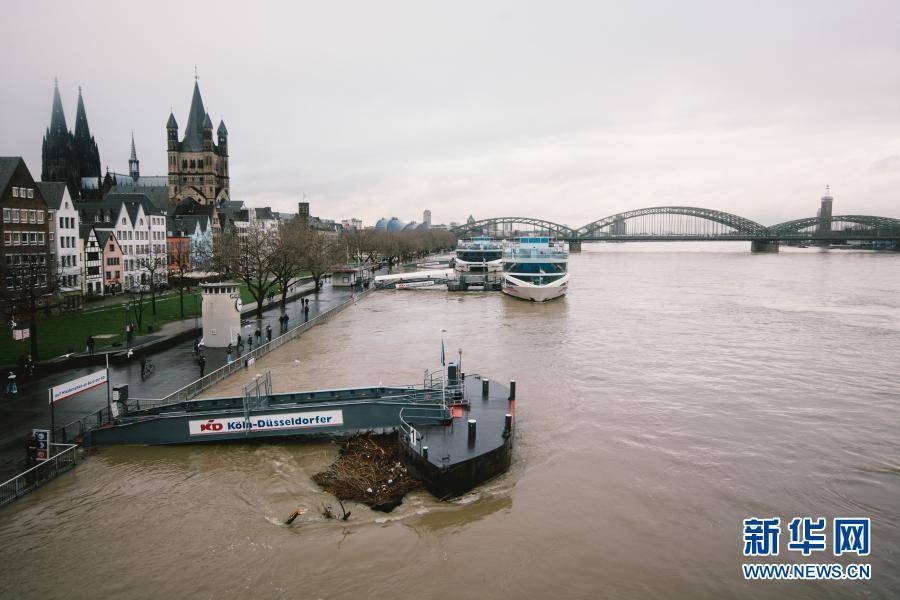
[[675, 391]]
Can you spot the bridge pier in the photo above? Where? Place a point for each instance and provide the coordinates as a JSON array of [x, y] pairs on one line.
[[574, 246], [764, 246]]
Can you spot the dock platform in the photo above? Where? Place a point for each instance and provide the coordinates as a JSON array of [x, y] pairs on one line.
[[456, 431]]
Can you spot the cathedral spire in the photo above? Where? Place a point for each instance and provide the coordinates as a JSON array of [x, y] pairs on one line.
[[133, 163], [57, 116], [82, 131]]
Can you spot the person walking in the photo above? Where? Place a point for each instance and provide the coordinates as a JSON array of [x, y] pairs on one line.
[[228, 351], [202, 361], [258, 335], [31, 450], [250, 343], [305, 313], [240, 342], [143, 367], [11, 389], [91, 344], [268, 332], [129, 333]]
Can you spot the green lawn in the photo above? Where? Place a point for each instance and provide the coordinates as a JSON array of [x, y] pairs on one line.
[[59, 334]]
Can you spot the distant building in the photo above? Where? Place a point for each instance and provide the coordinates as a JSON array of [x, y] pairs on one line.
[[264, 218], [426, 217], [26, 254], [352, 224], [63, 220], [112, 261], [198, 167], [66, 156]]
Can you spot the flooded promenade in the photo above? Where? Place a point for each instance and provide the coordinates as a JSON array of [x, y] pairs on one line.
[[676, 390]]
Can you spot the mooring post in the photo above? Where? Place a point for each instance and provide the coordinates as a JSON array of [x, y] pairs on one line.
[[485, 387], [424, 451], [472, 423], [512, 389], [508, 424]]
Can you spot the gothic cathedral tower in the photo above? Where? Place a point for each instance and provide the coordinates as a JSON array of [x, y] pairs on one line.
[[67, 157], [198, 167]]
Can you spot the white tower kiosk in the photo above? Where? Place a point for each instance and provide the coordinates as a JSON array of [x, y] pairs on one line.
[[221, 313]]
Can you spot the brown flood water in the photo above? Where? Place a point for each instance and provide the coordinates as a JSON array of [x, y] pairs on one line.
[[675, 391]]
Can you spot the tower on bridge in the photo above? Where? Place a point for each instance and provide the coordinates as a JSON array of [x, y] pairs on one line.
[[824, 213]]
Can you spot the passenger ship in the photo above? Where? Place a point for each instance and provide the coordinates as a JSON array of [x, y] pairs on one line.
[[479, 255], [535, 268]]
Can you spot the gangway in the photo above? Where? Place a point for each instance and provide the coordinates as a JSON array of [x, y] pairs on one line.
[[414, 279]]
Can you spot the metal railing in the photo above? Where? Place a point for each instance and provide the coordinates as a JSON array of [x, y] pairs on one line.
[[75, 429], [27, 481]]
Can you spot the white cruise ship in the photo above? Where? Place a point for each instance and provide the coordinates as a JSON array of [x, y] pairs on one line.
[[535, 268], [479, 255]]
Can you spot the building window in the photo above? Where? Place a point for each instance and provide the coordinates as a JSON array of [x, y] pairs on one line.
[[15, 215], [30, 193], [6, 215], [40, 216], [15, 192]]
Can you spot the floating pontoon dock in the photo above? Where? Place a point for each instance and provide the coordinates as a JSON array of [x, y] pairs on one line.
[[456, 431]]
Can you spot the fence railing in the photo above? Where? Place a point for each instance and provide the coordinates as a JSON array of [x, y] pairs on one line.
[[64, 459], [78, 428]]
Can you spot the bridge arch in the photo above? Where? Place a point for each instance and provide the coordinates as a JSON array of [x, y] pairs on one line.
[[869, 222], [741, 225], [557, 230]]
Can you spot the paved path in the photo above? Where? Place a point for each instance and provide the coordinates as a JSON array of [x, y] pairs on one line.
[[175, 368]]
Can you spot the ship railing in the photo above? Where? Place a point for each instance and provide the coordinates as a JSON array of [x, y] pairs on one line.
[[412, 418], [78, 428], [63, 457]]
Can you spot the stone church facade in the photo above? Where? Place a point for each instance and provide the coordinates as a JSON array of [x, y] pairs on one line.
[[198, 166]]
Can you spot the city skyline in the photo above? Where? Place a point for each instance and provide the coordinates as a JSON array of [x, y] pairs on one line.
[[565, 114]]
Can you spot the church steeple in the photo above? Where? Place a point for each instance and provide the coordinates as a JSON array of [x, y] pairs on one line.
[[133, 162], [57, 116], [82, 131], [193, 132]]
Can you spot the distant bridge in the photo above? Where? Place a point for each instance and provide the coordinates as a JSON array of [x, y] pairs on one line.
[[689, 223]]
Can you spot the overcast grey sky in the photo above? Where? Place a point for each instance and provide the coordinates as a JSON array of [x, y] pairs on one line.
[[566, 110]]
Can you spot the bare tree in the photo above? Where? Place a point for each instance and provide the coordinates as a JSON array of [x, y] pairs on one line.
[[29, 289], [320, 253], [287, 262], [248, 258]]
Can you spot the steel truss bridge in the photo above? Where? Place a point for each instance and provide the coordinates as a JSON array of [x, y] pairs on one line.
[[688, 223]]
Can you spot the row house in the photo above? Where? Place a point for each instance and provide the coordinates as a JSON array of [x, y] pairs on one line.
[[27, 283], [189, 242], [64, 242], [103, 261], [140, 230]]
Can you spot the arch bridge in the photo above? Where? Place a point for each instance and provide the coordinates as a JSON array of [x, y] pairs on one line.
[[689, 223]]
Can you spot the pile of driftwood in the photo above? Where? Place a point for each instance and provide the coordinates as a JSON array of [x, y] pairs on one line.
[[369, 471]]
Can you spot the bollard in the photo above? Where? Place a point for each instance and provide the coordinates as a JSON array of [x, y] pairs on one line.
[[512, 389], [472, 424], [425, 452], [485, 387], [508, 424]]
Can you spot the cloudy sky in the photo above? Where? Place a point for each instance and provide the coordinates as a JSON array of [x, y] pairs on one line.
[[569, 111]]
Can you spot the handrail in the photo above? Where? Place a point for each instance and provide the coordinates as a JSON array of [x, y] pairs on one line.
[[32, 478], [102, 417]]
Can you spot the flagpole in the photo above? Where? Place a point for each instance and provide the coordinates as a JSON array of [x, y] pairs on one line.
[[50, 398], [108, 393]]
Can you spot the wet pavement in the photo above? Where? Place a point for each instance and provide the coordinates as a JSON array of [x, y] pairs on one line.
[[174, 368]]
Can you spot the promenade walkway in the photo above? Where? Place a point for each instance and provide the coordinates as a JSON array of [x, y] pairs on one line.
[[175, 367]]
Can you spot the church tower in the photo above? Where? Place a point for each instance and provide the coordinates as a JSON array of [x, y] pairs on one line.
[[87, 155], [57, 146], [198, 167], [133, 163], [64, 156]]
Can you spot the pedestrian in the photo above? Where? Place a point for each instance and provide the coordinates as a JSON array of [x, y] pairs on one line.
[[258, 335], [129, 333], [268, 333], [240, 342], [143, 367], [11, 389], [202, 362], [249, 343], [29, 366], [196, 346], [90, 344], [228, 351], [306, 314]]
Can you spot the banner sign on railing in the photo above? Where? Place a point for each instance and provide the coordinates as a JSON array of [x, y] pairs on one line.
[[76, 386]]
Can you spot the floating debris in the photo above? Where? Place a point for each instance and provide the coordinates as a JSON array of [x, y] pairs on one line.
[[294, 515], [369, 471]]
